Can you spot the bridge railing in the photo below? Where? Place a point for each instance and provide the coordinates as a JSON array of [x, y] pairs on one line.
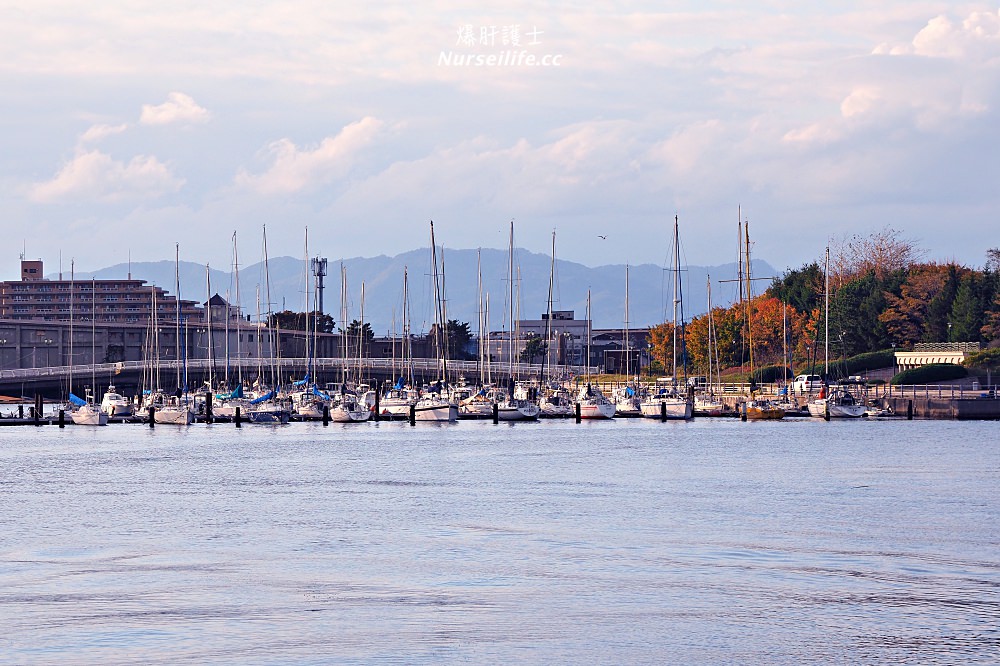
[[373, 365]]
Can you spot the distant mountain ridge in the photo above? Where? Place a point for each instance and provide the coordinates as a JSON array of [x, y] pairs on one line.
[[650, 287]]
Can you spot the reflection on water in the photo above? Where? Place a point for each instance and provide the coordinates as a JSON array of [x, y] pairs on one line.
[[626, 542]]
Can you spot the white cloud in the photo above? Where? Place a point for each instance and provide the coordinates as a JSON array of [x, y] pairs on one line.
[[294, 169], [97, 133], [93, 175], [977, 38], [179, 108]]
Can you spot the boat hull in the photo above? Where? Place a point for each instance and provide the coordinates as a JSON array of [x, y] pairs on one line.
[[435, 411], [590, 409], [670, 408], [173, 416], [90, 416]]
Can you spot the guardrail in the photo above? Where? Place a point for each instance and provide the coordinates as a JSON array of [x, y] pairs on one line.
[[375, 365]]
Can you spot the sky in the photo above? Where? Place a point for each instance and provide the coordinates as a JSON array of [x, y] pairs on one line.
[[128, 127]]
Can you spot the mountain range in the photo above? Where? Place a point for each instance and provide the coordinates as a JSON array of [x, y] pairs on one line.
[[650, 287]]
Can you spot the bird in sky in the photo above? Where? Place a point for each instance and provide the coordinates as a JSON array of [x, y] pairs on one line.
[[602, 237]]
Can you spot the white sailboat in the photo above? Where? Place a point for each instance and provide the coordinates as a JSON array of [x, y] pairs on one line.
[[627, 400], [175, 409], [269, 408], [84, 411], [346, 406], [434, 404], [395, 402], [554, 400], [510, 407], [832, 402], [668, 403], [591, 402], [706, 403]]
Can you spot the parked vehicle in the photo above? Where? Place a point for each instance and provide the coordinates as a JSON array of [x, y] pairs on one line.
[[807, 384]]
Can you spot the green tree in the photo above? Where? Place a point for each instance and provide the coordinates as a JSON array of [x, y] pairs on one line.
[[297, 321], [968, 309], [459, 337], [534, 348], [801, 289], [355, 329]]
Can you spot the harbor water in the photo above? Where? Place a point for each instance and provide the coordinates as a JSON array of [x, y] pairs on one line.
[[707, 542]]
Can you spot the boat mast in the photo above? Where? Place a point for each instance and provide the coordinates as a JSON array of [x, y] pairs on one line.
[[239, 313], [677, 275], [72, 287], [441, 333], [826, 317], [93, 340], [587, 361], [548, 315], [479, 290], [211, 332], [273, 346], [746, 231], [625, 339], [343, 318], [177, 299]]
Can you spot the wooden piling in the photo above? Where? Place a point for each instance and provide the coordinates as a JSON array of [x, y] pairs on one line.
[[236, 418]]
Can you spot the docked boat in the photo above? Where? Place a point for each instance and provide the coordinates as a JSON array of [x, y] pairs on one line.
[[87, 413], [555, 403], [838, 403], [115, 405], [349, 408], [594, 404], [667, 405], [761, 410], [432, 406]]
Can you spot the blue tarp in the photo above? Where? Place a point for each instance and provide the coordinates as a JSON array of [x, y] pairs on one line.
[[629, 392], [266, 396], [302, 382], [79, 402], [319, 393], [400, 384]]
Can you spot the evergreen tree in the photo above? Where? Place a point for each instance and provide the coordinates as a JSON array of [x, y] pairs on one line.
[[967, 310]]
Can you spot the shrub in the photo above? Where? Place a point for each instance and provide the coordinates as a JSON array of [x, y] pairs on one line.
[[927, 374], [770, 373], [861, 363], [987, 358]]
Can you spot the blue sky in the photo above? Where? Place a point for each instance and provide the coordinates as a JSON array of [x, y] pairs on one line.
[[128, 127]]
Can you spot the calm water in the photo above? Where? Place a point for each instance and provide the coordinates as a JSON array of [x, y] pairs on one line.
[[632, 541]]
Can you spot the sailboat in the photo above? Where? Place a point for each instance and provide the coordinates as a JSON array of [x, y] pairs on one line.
[[555, 400], [755, 409], [346, 407], [833, 402], [510, 407], [476, 402], [396, 401], [175, 409], [268, 408], [707, 403], [592, 403], [668, 403], [84, 411], [627, 400], [434, 405]]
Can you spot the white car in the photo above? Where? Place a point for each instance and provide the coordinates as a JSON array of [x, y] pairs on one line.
[[807, 384]]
